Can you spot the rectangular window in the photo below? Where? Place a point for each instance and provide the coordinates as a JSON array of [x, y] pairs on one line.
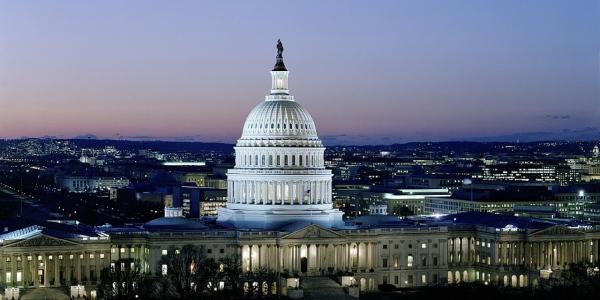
[[122, 250], [424, 261], [8, 277], [101, 255], [409, 280], [396, 280], [409, 262], [435, 261], [423, 246], [424, 279], [19, 276], [385, 263], [384, 246], [163, 270], [164, 252]]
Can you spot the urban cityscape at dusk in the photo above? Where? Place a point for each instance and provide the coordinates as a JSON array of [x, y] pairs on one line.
[[299, 150]]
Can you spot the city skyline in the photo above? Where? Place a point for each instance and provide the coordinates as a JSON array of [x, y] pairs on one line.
[[421, 72]]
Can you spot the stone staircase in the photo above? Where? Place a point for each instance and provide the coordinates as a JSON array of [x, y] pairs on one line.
[[323, 288]]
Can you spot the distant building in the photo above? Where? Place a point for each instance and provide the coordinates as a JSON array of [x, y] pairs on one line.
[[538, 172], [90, 184], [200, 201], [449, 182], [378, 209], [355, 200]]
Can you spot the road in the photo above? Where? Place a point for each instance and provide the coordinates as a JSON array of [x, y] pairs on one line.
[[12, 204]]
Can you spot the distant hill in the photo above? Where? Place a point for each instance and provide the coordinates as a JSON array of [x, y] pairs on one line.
[[161, 146]]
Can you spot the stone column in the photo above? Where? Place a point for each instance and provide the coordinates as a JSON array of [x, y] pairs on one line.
[[250, 266], [318, 255], [260, 263], [299, 258], [358, 264], [367, 256], [56, 267]]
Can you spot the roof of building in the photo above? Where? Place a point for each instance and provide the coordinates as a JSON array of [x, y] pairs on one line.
[[174, 224], [502, 221]]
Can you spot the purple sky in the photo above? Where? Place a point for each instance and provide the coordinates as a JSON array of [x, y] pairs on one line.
[[368, 71]]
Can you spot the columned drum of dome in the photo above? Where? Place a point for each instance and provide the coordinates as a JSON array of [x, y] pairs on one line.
[[279, 176]]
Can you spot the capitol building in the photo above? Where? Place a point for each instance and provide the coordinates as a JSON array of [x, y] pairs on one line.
[[279, 216]]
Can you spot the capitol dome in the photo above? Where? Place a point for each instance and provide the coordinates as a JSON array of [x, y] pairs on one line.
[[279, 123], [279, 176]]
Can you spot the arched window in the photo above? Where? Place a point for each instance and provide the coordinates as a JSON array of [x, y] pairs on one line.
[[300, 162], [285, 160], [293, 160], [278, 160], [270, 160], [262, 161], [256, 160]]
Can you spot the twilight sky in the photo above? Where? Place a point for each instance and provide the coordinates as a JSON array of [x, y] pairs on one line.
[[368, 71]]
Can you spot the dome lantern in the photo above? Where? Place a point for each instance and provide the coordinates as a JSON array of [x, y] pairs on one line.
[[279, 78]]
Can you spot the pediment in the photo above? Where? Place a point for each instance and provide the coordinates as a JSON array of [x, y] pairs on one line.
[[313, 231], [557, 230], [42, 240]]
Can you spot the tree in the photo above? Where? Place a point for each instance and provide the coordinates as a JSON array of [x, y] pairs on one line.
[[402, 211], [231, 273], [190, 272], [124, 280]]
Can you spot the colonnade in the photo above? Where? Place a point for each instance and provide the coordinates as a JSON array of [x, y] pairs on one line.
[[311, 258], [547, 254], [252, 158], [54, 268], [279, 192], [536, 254]]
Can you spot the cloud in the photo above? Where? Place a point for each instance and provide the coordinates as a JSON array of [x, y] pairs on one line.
[[557, 117], [87, 136], [566, 134]]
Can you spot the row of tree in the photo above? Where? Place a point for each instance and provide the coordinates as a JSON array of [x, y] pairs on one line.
[[187, 273]]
